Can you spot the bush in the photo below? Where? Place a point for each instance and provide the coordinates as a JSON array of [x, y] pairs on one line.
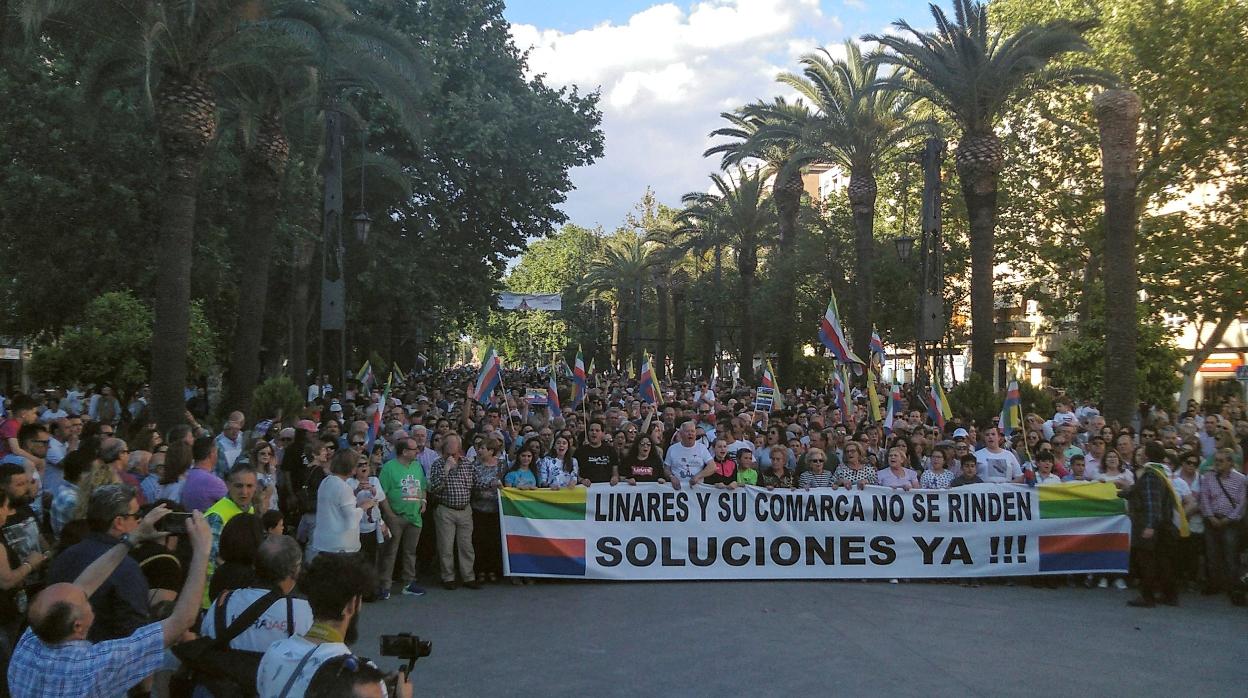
[[1035, 400], [974, 400], [808, 372], [277, 398]]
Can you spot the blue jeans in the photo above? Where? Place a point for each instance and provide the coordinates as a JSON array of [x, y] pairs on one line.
[[1222, 554]]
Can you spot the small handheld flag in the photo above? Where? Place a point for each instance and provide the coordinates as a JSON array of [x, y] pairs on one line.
[[552, 396], [877, 346], [646, 384], [490, 378], [365, 375], [873, 397], [893, 399], [833, 335], [1012, 410], [579, 380], [769, 381]]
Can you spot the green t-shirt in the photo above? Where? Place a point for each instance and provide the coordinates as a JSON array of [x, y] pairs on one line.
[[747, 476], [406, 488]]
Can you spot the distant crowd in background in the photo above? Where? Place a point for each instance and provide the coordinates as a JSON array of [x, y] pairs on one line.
[[248, 546]]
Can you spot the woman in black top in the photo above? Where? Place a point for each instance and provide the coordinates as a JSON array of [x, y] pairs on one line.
[[643, 463]]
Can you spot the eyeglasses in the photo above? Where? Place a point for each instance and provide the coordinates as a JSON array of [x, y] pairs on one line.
[[41, 441], [816, 460], [357, 443]]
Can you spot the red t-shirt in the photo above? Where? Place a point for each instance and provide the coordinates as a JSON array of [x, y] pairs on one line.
[[8, 430]]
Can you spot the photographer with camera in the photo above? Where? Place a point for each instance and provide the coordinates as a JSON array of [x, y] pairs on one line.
[[55, 656], [335, 584]]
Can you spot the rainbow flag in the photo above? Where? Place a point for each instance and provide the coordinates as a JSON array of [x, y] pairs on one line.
[[833, 335], [1094, 552], [646, 385], [894, 399], [579, 381], [1012, 410], [490, 378]]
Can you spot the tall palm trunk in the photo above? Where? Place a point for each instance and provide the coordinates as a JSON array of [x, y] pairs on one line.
[[747, 264], [979, 159], [616, 334], [678, 331], [862, 194], [263, 169], [1118, 116], [660, 344], [788, 200], [187, 122]]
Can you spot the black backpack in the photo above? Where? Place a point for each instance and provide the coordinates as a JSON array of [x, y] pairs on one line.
[[226, 672]]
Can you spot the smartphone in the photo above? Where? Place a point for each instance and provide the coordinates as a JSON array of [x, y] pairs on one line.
[[173, 522]]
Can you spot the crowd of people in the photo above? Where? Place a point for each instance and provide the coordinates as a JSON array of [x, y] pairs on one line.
[[152, 556]]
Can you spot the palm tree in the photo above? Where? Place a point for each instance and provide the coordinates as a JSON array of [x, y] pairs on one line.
[[971, 73], [1118, 114], [674, 240], [786, 191], [297, 81], [856, 127], [741, 210], [619, 275], [699, 232]]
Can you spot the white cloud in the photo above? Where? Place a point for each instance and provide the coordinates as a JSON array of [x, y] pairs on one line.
[[665, 76]]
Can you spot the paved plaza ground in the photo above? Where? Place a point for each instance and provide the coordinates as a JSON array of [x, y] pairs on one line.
[[794, 638]]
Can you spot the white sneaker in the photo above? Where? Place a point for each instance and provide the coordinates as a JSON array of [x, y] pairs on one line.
[[1103, 583], [1120, 583]]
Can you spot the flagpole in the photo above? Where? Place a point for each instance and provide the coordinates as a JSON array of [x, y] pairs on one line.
[[504, 389]]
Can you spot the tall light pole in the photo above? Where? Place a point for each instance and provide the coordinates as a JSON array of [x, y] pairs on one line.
[[929, 311]]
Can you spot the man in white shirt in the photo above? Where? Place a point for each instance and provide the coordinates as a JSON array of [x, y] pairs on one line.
[[53, 411], [704, 394], [335, 586], [688, 460], [277, 568], [995, 463], [323, 388], [229, 447]]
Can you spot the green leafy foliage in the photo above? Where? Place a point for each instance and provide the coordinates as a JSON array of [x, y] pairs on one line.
[[111, 344], [277, 398], [1079, 364], [974, 400]]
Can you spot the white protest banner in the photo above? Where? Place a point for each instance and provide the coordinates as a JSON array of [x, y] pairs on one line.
[[530, 301], [651, 531]]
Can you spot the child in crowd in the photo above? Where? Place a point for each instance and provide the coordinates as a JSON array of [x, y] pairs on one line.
[[274, 522], [747, 474], [1044, 469], [970, 472], [725, 474], [1078, 470]]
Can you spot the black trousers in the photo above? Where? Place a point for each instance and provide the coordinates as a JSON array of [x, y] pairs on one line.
[[487, 541], [1155, 561]]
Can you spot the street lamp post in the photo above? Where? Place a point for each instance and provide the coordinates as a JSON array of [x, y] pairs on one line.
[[929, 311]]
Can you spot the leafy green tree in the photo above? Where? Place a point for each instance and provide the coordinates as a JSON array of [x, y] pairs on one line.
[[971, 72], [277, 398], [111, 343], [1079, 364], [624, 268]]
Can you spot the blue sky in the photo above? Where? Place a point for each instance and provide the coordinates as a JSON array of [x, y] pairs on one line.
[[667, 70]]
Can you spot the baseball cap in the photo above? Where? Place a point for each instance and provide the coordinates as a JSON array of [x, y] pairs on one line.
[[287, 433], [306, 425], [335, 406], [960, 433]]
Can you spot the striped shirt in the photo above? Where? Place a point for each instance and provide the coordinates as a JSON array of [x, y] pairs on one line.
[[453, 488], [1223, 495]]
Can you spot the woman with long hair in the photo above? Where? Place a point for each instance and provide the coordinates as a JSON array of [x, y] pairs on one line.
[[559, 469], [523, 474], [173, 475], [643, 462]]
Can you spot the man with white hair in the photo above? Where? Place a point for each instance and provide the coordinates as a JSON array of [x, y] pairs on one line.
[[229, 446], [688, 460]]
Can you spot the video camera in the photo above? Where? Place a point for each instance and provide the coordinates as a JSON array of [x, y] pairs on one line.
[[406, 646]]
